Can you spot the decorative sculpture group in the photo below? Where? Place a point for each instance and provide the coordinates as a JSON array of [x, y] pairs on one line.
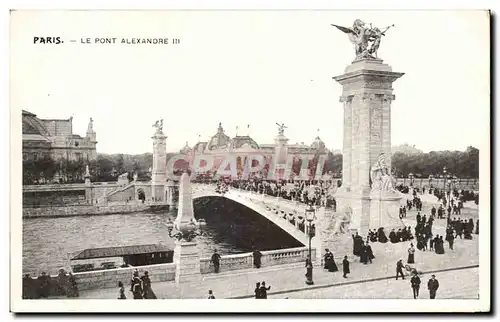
[[281, 128], [381, 178], [159, 126], [366, 40]]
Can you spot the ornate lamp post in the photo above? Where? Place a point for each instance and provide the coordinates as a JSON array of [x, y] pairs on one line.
[[444, 178], [411, 177], [310, 217]]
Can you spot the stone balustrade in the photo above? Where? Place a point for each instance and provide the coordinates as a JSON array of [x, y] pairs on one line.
[[269, 258]]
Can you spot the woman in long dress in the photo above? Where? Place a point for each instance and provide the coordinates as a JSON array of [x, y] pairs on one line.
[[411, 254], [382, 238], [146, 285], [330, 261]]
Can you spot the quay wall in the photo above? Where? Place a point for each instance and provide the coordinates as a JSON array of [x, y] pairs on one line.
[[84, 210]]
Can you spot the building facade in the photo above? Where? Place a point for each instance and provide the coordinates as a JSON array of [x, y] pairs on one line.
[[221, 146], [54, 138]]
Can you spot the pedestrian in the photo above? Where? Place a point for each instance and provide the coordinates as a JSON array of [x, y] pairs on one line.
[[211, 295], [257, 255], [415, 284], [146, 287], [433, 286], [369, 252], [121, 291], [263, 290], [330, 261], [73, 286], [216, 261], [411, 254], [43, 285], [136, 286], [399, 269], [345, 267], [257, 290]]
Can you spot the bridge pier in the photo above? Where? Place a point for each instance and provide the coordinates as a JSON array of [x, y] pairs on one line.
[[187, 260]]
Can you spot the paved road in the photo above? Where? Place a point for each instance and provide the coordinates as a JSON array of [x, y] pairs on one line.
[[458, 284]]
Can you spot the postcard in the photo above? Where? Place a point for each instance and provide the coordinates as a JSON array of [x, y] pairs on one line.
[[327, 161]]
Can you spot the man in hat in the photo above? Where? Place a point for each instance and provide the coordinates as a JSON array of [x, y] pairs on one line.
[[433, 286], [399, 269], [415, 284], [345, 267], [216, 261]]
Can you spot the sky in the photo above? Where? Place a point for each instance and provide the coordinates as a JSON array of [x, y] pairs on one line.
[[245, 68]]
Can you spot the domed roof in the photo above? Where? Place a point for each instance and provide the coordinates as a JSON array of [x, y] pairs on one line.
[[33, 125], [199, 147], [186, 149], [318, 144], [219, 140], [243, 142]]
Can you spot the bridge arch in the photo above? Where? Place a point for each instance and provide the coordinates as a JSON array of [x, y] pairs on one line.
[[276, 216]]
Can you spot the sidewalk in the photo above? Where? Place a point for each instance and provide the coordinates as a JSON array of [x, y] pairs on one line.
[[287, 278]]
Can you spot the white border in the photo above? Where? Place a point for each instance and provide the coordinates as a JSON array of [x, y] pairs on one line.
[[236, 305]]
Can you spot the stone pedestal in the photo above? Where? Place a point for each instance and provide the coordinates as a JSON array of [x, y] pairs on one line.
[[187, 260], [384, 210], [367, 96]]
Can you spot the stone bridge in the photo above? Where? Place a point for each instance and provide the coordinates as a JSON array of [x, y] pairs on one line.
[[289, 216]]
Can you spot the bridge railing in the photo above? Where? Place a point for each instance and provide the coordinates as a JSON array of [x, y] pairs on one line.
[[269, 258]]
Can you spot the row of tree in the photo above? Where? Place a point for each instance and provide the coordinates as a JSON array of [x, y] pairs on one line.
[[463, 164]]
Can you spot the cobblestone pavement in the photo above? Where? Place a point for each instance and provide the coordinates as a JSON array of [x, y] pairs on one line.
[[456, 284]]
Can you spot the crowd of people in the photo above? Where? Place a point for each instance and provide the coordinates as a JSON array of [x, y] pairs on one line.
[[45, 285], [140, 287], [315, 192]]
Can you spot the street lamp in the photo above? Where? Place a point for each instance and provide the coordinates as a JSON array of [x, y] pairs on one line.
[[444, 179], [411, 177], [310, 217]]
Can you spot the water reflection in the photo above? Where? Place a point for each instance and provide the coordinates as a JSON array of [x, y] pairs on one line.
[[231, 228]]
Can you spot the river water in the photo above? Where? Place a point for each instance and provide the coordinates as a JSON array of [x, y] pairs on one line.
[[231, 229]]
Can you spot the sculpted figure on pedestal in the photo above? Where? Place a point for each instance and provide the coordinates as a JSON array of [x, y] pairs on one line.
[[380, 176], [366, 40], [281, 128], [159, 126]]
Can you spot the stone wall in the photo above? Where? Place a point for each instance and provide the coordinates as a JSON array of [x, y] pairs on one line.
[[166, 272], [83, 210], [269, 258], [110, 278]]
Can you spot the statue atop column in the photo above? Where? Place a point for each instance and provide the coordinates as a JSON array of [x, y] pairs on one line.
[[281, 128], [366, 40], [381, 178], [159, 126]]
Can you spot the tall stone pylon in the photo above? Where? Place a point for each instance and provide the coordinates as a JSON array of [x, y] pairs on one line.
[[186, 253], [367, 94], [159, 171]]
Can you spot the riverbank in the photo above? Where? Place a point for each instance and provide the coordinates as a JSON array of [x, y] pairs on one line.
[[90, 210]]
